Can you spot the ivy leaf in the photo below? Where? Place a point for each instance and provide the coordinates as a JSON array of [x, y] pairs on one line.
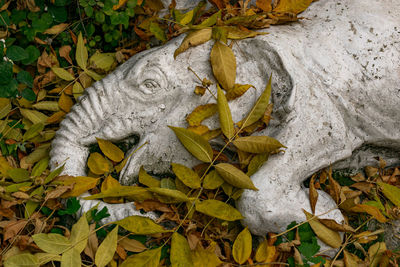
[[223, 63], [193, 39], [241, 249], [194, 143], [73, 206], [186, 175], [259, 108], [218, 209], [16, 53], [110, 150], [63, 74], [106, 250], [234, 176], [52, 243], [180, 251], [148, 258], [25, 78], [141, 225], [81, 55], [225, 116]]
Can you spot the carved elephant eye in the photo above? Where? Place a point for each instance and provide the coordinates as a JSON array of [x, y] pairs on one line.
[[149, 86]]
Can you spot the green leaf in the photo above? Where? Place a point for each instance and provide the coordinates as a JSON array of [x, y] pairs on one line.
[[106, 250], [187, 17], [234, 176], [71, 258], [40, 167], [54, 174], [141, 225], [79, 234], [169, 196], [63, 74], [33, 131], [81, 55], [33, 55], [22, 260], [391, 192], [52, 243], [223, 63], [148, 180], [257, 144], [194, 143], [33, 115], [149, 258], [218, 209], [242, 246], [186, 175], [180, 251], [225, 116], [6, 72], [25, 78], [212, 180], [30, 208], [19, 175], [16, 53], [258, 110], [157, 31], [28, 94]]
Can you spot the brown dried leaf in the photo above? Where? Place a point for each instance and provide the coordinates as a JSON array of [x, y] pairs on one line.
[[56, 29], [373, 211], [64, 52], [313, 194], [332, 224], [264, 5], [131, 245]]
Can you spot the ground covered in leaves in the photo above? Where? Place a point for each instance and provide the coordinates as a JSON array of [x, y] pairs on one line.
[[54, 49]]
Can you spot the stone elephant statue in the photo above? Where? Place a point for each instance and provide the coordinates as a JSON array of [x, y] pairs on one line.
[[335, 80]]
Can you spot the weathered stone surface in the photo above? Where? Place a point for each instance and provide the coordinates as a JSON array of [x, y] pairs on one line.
[[335, 89]]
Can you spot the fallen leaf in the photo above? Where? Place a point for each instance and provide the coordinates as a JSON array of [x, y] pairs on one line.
[[257, 144], [64, 52], [71, 258], [218, 209], [375, 253], [148, 180], [81, 55], [5, 107], [52, 243], [212, 180], [65, 103], [194, 143], [223, 63], [132, 192], [186, 175], [12, 229], [149, 258], [141, 225], [79, 234], [256, 162], [107, 248], [205, 257], [187, 17], [180, 254], [131, 245], [264, 5], [33, 115], [242, 246], [291, 6], [168, 196], [110, 150], [103, 61], [81, 184], [194, 38], [63, 74], [234, 176], [201, 113], [332, 224], [19, 175], [237, 91], [373, 211], [350, 259], [266, 253], [98, 164], [23, 259], [313, 194], [56, 29], [225, 116], [391, 192]]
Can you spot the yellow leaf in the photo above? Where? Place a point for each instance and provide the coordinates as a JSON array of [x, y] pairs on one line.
[[350, 259], [218, 209], [79, 234], [259, 108], [236, 33], [212, 180], [241, 249], [19, 175], [205, 257], [193, 39], [56, 29], [375, 253], [256, 162], [225, 116], [98, 164], [149, 258], [109, 183], [140, 225], [257, 144], [186, 175], [47, 257], [23, 259], [265, 252], [47, 105], [77, 90], [187, 17], [94, 75], [81, 185], [223, 63], [4, 166], [56, 117], [63, 74], [52, 243], [194, 143], [292, 6], [146, 179], [373, 211], [326, 235], [169, 196], [71, 258], [200, 130], [103, 61], [234, 176], [201, 113], [33, 115], [110, 150], [180, 251], [65, 103], [5, 107], [264, 5], [132, 192], [81, 55], [120, 4], [237, 91], [391, 192], [313, 194], [106, 250]]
